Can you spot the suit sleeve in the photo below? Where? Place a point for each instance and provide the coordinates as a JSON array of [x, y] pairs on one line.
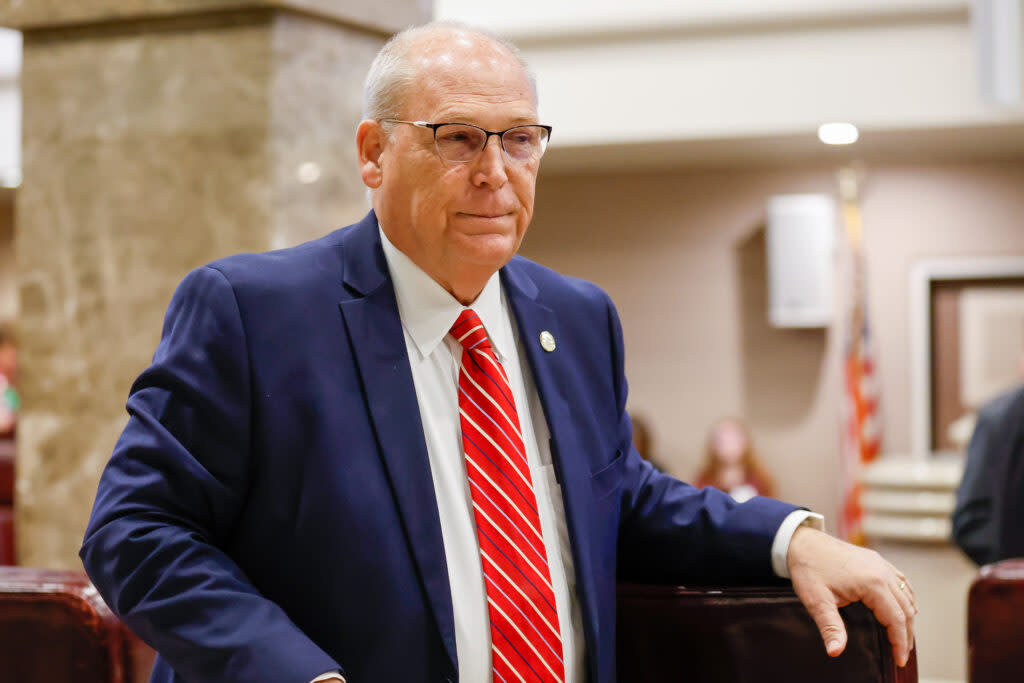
[[973, 523], [1009, 475], [169, 497], [671, 532]]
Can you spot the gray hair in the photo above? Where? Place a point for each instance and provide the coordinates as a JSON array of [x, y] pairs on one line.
[[392, 71]]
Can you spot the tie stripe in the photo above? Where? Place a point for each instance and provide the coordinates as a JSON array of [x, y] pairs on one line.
[[500, 507], [497, 571], [526, 643], [505, 446], [511, 491]]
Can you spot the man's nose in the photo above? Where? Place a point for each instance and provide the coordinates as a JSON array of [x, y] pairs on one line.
[[490, 165]]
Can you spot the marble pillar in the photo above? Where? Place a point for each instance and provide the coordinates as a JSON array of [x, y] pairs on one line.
[[159, 135]]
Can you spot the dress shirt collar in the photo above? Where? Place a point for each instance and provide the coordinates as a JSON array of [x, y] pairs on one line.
[[428, 311]]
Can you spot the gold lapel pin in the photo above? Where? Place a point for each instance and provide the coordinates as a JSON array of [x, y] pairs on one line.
[[547, 341]]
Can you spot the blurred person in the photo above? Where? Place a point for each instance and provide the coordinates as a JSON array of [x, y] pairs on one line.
[[643, 442], [641, 435], [731, 463], [988, 518], [9, 402], [401, 453]]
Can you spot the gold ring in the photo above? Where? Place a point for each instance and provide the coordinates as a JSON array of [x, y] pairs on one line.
[[903, 585]]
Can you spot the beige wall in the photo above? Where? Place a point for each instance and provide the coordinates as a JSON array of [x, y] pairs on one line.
[[682, 255], [8, 287]]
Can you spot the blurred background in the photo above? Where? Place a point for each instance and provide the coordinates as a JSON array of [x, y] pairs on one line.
[[844, 297]]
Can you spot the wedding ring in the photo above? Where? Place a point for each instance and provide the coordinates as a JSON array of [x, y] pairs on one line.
[[903, 585]]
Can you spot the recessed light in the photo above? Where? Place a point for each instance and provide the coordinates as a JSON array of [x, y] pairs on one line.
[[838, 133]]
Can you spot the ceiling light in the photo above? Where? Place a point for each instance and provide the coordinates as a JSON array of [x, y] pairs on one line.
[[838, 133]]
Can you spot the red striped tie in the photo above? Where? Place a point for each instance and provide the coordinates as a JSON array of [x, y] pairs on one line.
[[525, 641]]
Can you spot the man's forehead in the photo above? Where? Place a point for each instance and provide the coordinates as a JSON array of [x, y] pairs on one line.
[[451, 59], [473, 72]]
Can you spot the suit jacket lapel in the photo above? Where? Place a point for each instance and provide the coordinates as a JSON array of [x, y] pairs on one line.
[[375, 333], [532, 317]]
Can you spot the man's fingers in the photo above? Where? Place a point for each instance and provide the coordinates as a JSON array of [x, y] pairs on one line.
[[897, 623], [827, 573], [825, 614], [901, 591], [906, 587], [904, 595]]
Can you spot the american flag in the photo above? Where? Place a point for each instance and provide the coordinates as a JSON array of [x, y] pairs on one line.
[[861, 433]]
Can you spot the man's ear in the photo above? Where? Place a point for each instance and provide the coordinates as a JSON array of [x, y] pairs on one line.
[[370, 139]]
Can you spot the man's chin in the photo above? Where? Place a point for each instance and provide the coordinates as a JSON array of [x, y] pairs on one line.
[[487, 250]]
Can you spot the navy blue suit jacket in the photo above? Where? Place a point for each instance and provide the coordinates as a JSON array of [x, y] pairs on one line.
[[268, 513]]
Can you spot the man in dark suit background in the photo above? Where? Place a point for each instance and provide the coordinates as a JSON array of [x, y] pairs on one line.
[[291, 498], [988, 519]]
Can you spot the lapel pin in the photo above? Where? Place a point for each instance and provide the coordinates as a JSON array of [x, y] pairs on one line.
[[547, 341]]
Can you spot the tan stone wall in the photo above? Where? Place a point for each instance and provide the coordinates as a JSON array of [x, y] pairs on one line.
[[316, 90], [382, 15], [146, 154], [8, 285]]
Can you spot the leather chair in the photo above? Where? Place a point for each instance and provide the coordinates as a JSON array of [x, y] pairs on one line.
[[6, 502], [740, 635], [995, 623], [55, 627]]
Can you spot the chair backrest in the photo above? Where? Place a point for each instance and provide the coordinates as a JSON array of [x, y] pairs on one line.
[[55, 627], [725, 635], [995, 623], [6, 502]]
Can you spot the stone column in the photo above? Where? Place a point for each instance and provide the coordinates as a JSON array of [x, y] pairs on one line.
[[159, 135]]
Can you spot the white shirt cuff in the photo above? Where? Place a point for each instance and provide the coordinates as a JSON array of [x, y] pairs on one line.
[[780, 546], [329, 676]]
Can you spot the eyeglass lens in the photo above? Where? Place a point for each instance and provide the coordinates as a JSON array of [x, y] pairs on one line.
[[460, 142]]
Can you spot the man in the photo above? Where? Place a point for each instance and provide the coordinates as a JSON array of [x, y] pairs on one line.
[[988, 520], [400, 453]]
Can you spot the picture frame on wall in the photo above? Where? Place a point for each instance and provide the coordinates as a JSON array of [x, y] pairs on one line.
[[967, 334]]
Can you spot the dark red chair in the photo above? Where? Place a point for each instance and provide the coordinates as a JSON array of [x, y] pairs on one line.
[[6, 502], [740, 635], [55, 627], [995, 623]]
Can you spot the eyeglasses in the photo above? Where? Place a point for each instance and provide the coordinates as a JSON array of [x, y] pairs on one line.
[[462, 142]]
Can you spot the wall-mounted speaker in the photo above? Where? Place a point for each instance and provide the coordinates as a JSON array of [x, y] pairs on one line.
[[800, 241], [999, 35]]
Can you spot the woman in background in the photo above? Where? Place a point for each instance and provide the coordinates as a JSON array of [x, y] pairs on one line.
[[730, 463], [8, 377]]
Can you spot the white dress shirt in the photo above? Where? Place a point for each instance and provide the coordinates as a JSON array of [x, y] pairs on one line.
[[428, 312]]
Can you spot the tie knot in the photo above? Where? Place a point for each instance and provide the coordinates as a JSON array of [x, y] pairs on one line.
[[470, 332]]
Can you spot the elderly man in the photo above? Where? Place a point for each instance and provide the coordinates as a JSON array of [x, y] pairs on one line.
[[401, 453]]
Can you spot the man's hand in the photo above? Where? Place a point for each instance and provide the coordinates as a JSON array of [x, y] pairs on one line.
[[828, 574]]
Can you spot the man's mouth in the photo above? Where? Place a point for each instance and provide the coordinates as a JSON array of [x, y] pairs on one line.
[[474, 214]]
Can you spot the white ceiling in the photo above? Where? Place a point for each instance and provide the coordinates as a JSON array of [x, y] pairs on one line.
[[654, 83]]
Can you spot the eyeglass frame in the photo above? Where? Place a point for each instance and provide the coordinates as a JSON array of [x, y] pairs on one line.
[[487, 137]]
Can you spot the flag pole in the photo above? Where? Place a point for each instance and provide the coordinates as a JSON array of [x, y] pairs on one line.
[[861, 436]]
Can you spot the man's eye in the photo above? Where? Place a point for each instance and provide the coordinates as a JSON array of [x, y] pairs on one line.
[[455, 136]]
